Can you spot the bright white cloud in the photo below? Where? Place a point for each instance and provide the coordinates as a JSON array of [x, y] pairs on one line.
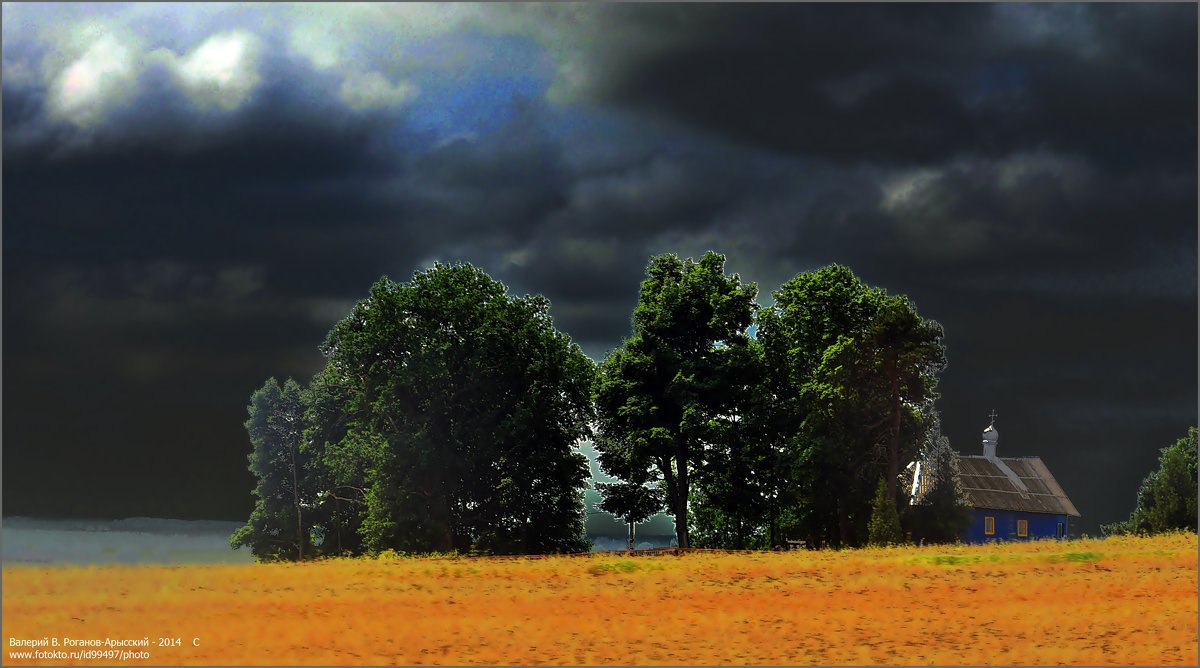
[[331, 35], [317, 43], [360, 41], [95, 83], [370, 90], [94, 62], [221, 71], [337, 36]]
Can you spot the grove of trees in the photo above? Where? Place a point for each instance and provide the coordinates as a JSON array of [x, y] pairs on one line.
[[1166, 501], [448, 411], [446, 418], [786, 433]]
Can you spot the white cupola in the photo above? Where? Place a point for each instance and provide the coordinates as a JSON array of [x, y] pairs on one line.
[[990, 437]]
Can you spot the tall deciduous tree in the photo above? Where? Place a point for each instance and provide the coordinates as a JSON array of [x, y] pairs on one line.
[[463, 406], [737, 486], [861, 364], [907, 353], [656, 394], [340, 479], [277, 528], [777, 417]]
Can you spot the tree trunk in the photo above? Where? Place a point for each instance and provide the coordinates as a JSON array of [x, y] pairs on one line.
[[337, 510], [843, 521], [681, 483], [772, 526], [676, 481], [439, 512], [296, 502], [893, 470]]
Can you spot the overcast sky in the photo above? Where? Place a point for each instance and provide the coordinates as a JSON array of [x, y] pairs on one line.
[[194, 194]]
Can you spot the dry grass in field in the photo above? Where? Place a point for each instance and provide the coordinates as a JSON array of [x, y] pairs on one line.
[[1116, 601]]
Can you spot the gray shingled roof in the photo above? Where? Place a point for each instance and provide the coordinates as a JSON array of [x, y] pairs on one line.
[[987, 486]]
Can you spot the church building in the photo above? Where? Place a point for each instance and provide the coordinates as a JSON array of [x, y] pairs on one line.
[[1011, 498]]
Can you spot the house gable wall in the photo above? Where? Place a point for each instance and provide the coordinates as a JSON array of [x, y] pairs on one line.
[[1041, 525]]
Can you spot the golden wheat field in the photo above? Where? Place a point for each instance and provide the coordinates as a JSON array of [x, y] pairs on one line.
[[1115, 601]]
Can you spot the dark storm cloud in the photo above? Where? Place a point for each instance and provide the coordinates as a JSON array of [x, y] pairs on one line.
[[1039, 211], [283, 139], [670, 193], [919, 84], [161, 264], [1025, 173]]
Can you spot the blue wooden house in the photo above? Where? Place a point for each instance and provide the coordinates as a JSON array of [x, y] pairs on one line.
[[1012, 498]]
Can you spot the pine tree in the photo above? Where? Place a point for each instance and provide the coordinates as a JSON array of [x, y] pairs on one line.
[[884, 528]]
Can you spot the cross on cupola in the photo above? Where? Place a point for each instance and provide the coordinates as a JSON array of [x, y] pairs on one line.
[[993, 416]]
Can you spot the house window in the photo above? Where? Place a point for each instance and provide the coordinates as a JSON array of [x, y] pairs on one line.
[[989, 525], [1022, 528], [1060, 530]]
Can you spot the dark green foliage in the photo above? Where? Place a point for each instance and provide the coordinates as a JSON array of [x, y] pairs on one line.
[[462, 406], [851, 365], [446, 418], [776, 418], [278, 527], [735, 503], [662, 397], [447, 415], [884, 527], [341, 479], [631, 502], [1166, 500]]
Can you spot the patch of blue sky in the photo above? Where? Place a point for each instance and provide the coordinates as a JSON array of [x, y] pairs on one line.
[[473, 83]]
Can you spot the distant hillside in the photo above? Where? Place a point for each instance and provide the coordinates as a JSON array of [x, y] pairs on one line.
[[136, 540], [158, 525]]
